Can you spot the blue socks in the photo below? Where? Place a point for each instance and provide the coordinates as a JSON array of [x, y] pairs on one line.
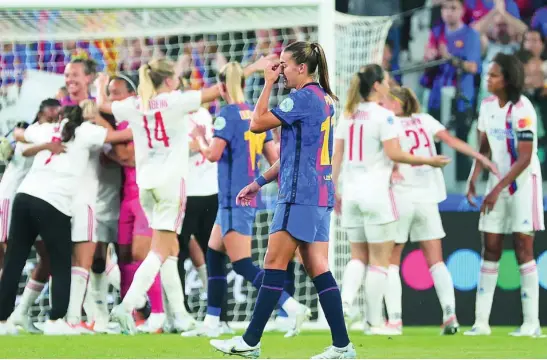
[[268, 296], [217, 284], [249, 271], [331, 302]]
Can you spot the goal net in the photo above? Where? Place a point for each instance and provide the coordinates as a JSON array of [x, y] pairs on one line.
[[36, 45]]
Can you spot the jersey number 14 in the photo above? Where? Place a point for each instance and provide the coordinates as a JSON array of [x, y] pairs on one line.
[[159, 130]]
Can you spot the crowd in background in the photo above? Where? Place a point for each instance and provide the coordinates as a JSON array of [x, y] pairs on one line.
[[465, 33]]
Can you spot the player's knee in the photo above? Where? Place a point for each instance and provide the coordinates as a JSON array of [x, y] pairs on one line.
[[492, 254], [524, 251], [98, 266]]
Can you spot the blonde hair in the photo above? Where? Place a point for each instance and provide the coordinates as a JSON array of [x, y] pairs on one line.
[[353, 96], [90, 109], [232, 76], [407, 98], [151, 77]]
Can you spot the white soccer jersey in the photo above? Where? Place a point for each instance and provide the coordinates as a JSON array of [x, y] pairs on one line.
[[16, 171], [56, 178], [160, 135], [422, 183], [503, 126], [365, 163], [202, 177]]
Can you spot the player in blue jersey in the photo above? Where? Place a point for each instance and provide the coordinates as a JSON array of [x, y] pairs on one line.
[[237, 151], [306, 194]]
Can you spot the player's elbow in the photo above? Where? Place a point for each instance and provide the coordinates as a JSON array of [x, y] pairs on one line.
[[213, 156], [255, 127]]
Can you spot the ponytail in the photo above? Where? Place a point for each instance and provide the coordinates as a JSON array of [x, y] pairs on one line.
[[232, 76], [151, 77], [407, 98], [74, 115], [353, 96], [323, 69]]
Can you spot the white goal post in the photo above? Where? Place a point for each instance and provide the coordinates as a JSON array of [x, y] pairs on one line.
[[225, 29]]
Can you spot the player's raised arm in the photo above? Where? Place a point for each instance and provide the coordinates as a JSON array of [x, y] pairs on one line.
[[262, 119]]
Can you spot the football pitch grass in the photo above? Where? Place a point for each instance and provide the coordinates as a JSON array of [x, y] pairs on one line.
[[416, 343]]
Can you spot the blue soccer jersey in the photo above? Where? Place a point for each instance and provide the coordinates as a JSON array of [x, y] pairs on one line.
[[238, 165], [305, 176]]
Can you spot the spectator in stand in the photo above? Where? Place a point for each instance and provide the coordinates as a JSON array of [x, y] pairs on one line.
[[534, 41], [475, 10], [134, 54], [500, 33], [11, 66], [460, 46], [388, 64], [539, 21]]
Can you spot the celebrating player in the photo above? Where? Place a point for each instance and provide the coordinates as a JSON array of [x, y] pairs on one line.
[[418, 190], [368, 142], [514, 200], [44, 203], [161, 154], [16, 171], [306, 195], [238, 152]]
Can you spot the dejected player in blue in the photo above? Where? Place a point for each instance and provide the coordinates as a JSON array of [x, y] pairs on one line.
[[237, 151], [306, 195]]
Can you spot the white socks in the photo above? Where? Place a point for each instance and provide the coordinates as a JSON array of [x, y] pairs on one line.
[[202, 273], [142, 281], [444, 288], [529, 291], [30, 294], [291, 306], [113, 275], [375, 288], [352, 281], [170, 281], [394, 294], [485, 291], [99, 292], [78, 288]]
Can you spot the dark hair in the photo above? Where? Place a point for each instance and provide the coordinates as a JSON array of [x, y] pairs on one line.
[[130, 82], [75, 117], [90, 66], [524, 56], [513, 74], [312, 54], [371, 74], [45, 104]]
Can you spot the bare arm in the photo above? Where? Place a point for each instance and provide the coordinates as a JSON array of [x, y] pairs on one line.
[[263, 119], [213, 151], [54, 147], [484, 149], [270, 152], [393, 150], [465, 149], [19, 135], [272, 173], [337, 158]]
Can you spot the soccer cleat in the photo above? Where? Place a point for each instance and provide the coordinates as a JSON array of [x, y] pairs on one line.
[[59, 327], [333, 352], [280, 324], [24, 322], [203, 331], [302, 315], [236, 346], [528, 330], [450, 326], [124, 318], [184, 323], [153, 325], [382, 330], [396, 325], [82, 328], [225, 328], [7, 328], [479, 330]]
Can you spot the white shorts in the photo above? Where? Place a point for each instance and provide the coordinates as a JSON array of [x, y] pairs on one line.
[[165, 207], [5, 218], [84, 224], [107, 231], [521, 212], [370, 221], [420, 222]]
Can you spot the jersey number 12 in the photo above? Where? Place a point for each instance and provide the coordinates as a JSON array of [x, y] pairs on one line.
[[159, 130]]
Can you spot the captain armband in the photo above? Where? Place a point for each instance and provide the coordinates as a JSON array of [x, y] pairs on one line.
[[526, 135]]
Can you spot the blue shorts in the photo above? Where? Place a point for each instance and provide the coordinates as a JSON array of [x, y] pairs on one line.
[[306, 223], [239, 219]]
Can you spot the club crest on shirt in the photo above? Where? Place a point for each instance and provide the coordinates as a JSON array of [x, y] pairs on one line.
[[458, 44], [524, 123], [287, 105], [390, 120], [220, 123]]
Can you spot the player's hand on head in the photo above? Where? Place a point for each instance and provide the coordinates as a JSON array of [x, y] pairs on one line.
[[439, 161], [247, 194], [264, 61], [272, 71]]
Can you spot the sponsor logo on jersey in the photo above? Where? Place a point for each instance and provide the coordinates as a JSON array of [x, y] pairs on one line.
[[501, 134], [524, 123]]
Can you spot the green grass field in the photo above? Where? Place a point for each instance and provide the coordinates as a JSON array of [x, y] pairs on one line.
[[416, 343]]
